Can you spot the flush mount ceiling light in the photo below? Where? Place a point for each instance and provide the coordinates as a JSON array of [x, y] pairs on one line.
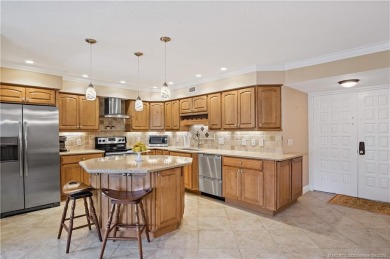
[[348, 83], [138, 106], [90, 93], [223, 68], [165, 92], [29, 62]]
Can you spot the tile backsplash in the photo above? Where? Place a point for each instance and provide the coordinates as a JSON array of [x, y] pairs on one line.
[[260, 141]]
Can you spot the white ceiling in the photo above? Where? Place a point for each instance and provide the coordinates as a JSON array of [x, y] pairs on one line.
[[268, 35]]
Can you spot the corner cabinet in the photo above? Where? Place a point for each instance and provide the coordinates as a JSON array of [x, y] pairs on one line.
[[27, 95], [214, 108], [138, 120], [238, 109], [156, 116], [77, 113], [269, 115]]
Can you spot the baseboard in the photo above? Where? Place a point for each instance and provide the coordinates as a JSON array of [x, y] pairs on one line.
[[306, 189]]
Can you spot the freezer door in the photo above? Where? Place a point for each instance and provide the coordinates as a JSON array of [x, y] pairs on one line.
[[41, 155], [210, 185], [11, 173]]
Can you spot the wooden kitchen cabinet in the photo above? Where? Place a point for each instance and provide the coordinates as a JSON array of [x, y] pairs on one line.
[[77, 113], [156, 116], [296, 178], [172, 115], [190, 172], [238, 109], [269, 115], [283, 183], [243, 181], [27, 95], [214, 111], [138, 120], [72, 171], [193, 105]]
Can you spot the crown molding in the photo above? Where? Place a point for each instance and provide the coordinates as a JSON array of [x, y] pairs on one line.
[[31, 68]]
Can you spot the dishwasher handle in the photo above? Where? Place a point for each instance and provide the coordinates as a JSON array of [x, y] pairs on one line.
[[211, 156]]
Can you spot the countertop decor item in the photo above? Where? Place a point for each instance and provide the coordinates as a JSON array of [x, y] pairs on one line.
[[90, 93], [165, 92], [138, 106]]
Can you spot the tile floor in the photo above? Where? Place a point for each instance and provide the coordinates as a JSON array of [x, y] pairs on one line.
[[311, 228]]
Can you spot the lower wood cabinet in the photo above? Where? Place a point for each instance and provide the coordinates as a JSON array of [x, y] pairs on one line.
[[190, 172], [72, 171]]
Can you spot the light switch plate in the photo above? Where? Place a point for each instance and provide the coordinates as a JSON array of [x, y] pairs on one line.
[[290, 142], [261, 142], [221, 141], [78, 142], [243, 142], [253, 142]]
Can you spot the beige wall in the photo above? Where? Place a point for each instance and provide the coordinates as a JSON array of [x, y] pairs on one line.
[[21, 77], [295, 125]]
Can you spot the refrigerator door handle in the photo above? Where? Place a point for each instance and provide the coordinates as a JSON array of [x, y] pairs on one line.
[[20, 148], [25, 150]]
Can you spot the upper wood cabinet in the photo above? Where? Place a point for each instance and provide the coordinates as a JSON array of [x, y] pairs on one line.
[[138, 120], [156, 116], [27, 95], [77, 113], [172, 115], [269, 107], [238, 109], [194, 105], [214, 110]]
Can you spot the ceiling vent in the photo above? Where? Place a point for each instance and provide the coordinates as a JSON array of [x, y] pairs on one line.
[[191, 89]]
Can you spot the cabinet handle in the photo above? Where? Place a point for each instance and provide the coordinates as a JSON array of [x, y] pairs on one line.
[[242, 171], [123, 174], [83, 158], [240, 163]]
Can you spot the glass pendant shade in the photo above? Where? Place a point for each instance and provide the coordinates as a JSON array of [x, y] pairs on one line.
[[139, 105], [90, 93], [165, 92]]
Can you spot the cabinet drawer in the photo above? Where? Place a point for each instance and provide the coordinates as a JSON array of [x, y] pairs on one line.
[[243, 163], [78, 158]]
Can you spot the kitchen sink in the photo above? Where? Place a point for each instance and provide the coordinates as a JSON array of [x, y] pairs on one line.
[[189, 148]]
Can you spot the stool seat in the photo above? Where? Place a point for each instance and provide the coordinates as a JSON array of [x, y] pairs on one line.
[[126, 197], [74, 187]]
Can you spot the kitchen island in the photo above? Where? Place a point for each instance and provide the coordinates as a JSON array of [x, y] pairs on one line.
[[164, 206]]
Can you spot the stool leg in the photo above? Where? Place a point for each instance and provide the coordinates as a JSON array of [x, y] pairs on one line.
[[145, 221], [63, 218], [70, 225], [116, 220], [138, 232], [107, 230], [87, 213], [94, 218]]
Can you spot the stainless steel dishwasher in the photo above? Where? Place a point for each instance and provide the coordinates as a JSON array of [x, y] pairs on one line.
[[210, 174]]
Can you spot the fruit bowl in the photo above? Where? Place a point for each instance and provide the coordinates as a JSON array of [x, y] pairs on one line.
[[139, 148]]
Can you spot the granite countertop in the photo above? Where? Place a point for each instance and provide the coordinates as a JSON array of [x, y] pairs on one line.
[[81, 152], [127, 164]]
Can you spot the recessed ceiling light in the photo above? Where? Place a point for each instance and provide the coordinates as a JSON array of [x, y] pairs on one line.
[[85, 76], [155, 87], [122, 82], [171, 83], [29, 62], [348, 83], [198, 75], [223, 68]]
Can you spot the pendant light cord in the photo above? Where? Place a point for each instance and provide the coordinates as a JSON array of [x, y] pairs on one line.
[[90, 63], [165, 61], [138, 76]]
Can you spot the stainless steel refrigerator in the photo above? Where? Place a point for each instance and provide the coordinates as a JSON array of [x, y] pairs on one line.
[[30, 161]]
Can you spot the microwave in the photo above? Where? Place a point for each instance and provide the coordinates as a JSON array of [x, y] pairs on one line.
[[158, 140]]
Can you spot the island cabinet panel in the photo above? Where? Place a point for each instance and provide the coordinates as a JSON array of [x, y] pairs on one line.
[[214, 108], [269, 115], [156, 116], [190, 172]]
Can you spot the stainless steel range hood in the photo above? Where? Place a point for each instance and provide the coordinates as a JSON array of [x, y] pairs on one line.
[[114, 108]]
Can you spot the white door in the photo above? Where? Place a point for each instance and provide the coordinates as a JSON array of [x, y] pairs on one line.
[[373, 130], [334, 143]]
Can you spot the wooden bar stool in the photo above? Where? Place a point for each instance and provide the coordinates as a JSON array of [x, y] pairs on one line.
[[126, 197], [74, 191]]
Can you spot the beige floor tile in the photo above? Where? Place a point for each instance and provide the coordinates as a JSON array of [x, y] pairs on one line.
[[246, 222], [216, 239], [181, 239], [330, 239], [339, 222], [219, 253], [123, 251], [15, 251], [372, 220], [266, 253], [189, 223], [177, 253], [294, 252], [308, 223], [249, 240], [366, 237], [292, 238], [348, 252], [217, 211], [217, 223]]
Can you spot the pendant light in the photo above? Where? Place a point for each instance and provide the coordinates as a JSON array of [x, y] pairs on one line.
[[138, 106], [165, 92], [90, 93]]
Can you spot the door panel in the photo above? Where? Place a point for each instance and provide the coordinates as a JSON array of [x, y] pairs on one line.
[[231, 183], [229, 109], [373, 125]]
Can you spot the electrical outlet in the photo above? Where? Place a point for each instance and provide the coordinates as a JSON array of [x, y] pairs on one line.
[[290, 142], [261, 142], [78, 142], [253, 142], [221, 141], [243, 142]]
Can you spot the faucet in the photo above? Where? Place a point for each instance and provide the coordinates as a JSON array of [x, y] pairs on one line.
[[197, 137]]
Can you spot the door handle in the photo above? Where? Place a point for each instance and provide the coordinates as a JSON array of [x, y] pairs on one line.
[[25, 150], [362, 148], [21, 148]]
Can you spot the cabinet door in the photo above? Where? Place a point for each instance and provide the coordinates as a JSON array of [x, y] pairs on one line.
[[269, 107], [296, 178], [139, 120], [40, 96], [70, 172], [156, 116], [231, 182], [175, 115], [68, 107], [14, 94], [214, 108], [187, 170], [246, 108], [186, 106], [283, 183], [168, 189], [199, 104], [252, 186], [165, 152], [89, 113], [158, 152], [229, 109], [168, 115]]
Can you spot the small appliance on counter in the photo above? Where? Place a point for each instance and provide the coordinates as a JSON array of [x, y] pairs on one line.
[[62, 140], [158, 140], [113, 146]]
